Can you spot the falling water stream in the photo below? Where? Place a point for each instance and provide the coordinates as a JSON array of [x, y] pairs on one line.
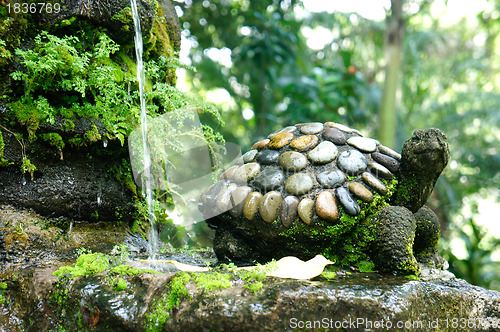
[[146, 179]]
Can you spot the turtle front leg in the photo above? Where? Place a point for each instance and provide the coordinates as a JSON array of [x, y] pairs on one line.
[[426, 238], [393, 247]]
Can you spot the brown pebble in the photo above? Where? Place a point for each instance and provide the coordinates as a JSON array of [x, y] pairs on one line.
[[229, 173], [270, 206], [326, 206], [289, 210], [280, 140], [361, 192], [304, 143], [390, 163], [262, 144], [375, 183], [252, 204], [334, 135], [238, 198], [306, 210]]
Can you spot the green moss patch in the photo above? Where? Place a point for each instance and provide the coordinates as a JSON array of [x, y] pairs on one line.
[[86, 264], [350, 238]]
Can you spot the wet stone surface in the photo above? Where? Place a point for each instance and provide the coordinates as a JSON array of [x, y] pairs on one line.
[[246, 172], [375, 183], [311, 128], [388, 162], [380, 171], [270, 178], [364, 144], [352, 162], [304, 143], [361, 192], [249, 156], [323, 153], [292, 161], [299, 184], [326, 206], [252, 204], [270, 206], [331, 179], [334, 135], [391, 153], [268, 157], [306, 210], [289, 210], [261, 144], [347, 201], [238, 198], [279, 140]]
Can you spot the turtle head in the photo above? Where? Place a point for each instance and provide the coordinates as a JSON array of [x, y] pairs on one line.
[[424, 157]]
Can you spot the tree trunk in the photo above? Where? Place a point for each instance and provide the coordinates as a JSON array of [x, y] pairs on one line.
[[394, 36]]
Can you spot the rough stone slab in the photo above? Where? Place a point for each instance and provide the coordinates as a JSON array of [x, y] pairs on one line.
[[284, 305]]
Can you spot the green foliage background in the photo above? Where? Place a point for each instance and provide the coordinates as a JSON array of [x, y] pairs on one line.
[[449, 78]]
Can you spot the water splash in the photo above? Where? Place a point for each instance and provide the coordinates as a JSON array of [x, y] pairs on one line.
[[146, 179]]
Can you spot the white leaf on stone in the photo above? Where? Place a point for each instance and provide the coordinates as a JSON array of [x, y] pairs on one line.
[[289, 267], [293, 268]]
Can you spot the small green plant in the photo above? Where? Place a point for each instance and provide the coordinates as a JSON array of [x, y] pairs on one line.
[[122, 251], [119, 284], [28, 167]]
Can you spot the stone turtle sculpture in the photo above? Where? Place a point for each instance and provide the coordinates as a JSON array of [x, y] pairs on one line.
[[323, 188]]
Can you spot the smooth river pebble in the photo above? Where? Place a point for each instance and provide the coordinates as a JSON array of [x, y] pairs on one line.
[[334, 135], [331, 179], [224, 199], [261, 144], [238, 198], [352, 162], [252, 204], [363, 143], [249, 156], [270, 206], [229, 173], [389, 152], [323, 153], [326, 206], [269, 178], [292, 161], [390, 163], [306, 210], [268, 157], [289, 210], [375, 183], [380, 171], [279, 140], [350, 205], [311, 128], [361, 192], [299, 184], [246, 172], [304, 143]]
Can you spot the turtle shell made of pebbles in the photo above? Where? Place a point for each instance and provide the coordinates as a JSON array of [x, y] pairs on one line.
[[309, 170]]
